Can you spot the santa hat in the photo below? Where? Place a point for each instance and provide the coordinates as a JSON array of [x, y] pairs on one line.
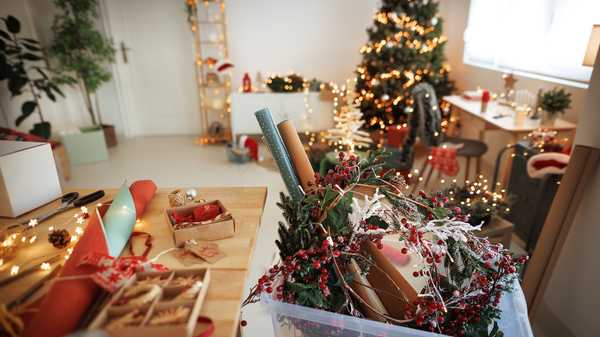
[[547, 163]]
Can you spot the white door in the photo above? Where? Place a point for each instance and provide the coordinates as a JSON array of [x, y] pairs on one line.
[[155, 66]]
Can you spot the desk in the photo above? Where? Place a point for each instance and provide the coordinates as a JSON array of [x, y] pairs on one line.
[[224, 297], [470, 114]]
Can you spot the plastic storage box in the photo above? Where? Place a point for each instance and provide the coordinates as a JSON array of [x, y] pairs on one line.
[[291, 320]]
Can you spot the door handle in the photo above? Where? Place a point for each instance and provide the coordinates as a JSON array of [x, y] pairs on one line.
[[124, 50]]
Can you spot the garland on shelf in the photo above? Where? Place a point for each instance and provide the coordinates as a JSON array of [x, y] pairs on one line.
[[358, 203], [289, 83]]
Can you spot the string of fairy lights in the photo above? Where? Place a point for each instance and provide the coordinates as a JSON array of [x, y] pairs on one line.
[[24, 238]]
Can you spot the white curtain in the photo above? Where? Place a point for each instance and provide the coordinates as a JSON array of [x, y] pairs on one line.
[[543, 37]]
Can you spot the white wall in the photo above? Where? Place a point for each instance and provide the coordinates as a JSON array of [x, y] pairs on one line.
[[312, 37], [315, 38], [455, 14]]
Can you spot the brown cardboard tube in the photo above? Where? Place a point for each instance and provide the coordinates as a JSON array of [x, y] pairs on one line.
[[361, 285], [294, 146]]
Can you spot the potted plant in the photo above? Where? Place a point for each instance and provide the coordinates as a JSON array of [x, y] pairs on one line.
[[82, 54], [553, 102], [23, 65]]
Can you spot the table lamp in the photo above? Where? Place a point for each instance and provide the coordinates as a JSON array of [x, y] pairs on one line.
[[592, 48]]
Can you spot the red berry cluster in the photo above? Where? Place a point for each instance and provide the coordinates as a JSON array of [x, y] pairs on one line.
[[341, 174], [491, 282]]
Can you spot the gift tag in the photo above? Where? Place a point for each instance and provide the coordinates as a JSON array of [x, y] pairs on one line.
[[208, 251]]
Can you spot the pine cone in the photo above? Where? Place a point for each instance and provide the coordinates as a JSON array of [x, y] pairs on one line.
[[59, 238]]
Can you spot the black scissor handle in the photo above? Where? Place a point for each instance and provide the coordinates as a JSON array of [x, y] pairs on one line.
[[86, 199]]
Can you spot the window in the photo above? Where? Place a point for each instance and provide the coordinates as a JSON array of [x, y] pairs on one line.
[[545, 38]]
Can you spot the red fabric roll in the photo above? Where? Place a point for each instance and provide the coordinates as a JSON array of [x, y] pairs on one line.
[[67, 300]]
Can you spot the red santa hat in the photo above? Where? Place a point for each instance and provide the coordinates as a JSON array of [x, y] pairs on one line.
[[542, 164]]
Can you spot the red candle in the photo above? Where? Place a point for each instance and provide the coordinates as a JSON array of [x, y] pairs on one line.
[[396, 135]]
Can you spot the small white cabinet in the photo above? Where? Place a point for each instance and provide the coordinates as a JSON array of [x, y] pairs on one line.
[[290, 106]]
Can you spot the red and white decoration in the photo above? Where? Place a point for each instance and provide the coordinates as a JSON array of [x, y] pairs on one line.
[[541, 164]]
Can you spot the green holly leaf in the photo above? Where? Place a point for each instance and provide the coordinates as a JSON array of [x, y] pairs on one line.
[[329, 196], [377, 221], [440, 212]]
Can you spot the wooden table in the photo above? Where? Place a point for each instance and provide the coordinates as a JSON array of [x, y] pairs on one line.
[[479, 123], [224, 297]]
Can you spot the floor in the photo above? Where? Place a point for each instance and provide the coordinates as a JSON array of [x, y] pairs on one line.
[[176, 161]]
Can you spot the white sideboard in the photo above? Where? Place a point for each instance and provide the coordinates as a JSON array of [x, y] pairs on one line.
[[290, 106]]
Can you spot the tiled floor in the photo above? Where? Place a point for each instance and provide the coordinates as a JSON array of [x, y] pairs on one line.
[[176, 161]]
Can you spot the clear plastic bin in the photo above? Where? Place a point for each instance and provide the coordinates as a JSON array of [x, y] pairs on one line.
[[291, 320]]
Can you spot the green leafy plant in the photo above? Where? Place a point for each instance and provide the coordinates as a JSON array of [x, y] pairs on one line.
[[555, 101], [23, 65], [82, 53]]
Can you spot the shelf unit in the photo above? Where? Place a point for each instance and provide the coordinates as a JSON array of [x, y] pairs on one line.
[[208, 25]]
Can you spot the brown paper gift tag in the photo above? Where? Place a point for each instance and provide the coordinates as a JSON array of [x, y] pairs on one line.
[[208, 251]]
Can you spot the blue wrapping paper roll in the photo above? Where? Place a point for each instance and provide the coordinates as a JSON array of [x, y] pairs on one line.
[[280, 153]]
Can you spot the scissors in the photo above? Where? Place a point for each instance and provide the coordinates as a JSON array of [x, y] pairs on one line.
[[68, 201]]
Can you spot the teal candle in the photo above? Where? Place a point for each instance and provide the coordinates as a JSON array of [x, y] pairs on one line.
[[279, 152]]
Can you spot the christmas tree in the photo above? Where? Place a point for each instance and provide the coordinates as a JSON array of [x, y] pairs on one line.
[[346, 135], [405, 47]]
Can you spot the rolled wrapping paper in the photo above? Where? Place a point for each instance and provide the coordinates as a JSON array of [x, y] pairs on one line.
[[292, 142], [280, 153], [67, 300]]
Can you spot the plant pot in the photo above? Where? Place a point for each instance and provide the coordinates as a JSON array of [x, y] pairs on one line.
[[110, 136], [550, 118], [42, 129], [87, 146]]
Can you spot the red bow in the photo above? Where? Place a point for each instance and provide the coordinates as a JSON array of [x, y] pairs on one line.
[[113, 272]]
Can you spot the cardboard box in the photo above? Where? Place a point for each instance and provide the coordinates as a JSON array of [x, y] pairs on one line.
[[222, 227], [149, 310], [28, 177]]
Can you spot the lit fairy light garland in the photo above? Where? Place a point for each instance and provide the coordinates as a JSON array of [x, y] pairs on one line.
[[13, 242]]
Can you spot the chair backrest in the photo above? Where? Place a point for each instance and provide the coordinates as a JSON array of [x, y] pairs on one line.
[[427, 111]]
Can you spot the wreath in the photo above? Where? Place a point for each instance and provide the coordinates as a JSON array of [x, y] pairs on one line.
[[356, 205]]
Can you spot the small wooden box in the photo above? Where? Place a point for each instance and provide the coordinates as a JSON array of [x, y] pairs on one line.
[[222, 227], [162, 302]]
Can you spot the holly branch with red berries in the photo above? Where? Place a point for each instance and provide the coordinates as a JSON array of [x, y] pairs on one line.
[[361, 201]]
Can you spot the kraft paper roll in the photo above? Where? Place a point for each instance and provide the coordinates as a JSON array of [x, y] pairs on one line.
[[292, 142], [279, 152]]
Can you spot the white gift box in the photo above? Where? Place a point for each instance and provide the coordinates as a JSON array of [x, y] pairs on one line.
[[28, 177]]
